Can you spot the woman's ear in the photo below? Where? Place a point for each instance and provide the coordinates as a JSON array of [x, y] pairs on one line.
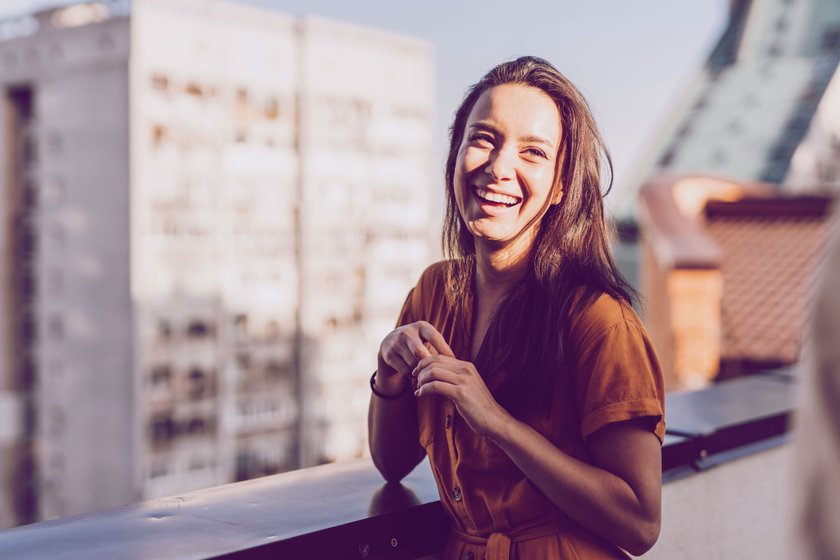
[[557, 195]]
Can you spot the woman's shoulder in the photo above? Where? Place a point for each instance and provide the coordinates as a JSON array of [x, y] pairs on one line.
[[433, 275], [430, 287], [599, 313]]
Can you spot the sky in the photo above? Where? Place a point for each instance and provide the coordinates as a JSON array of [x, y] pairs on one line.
[[631, 59]]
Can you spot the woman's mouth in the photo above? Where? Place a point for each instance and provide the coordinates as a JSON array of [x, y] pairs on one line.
[[496, 199]]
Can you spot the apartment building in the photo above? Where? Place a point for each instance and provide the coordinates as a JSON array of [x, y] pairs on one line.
[[211, 214]]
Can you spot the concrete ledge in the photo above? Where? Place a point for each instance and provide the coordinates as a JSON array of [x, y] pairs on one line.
[[347, 511]]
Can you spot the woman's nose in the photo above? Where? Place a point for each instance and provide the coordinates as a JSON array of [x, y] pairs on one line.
[[500, 165]]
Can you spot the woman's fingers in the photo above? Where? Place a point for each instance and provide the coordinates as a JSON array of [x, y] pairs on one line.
[[403, 348], [429, 360], [431, 334], [441, 388], [436, 373], [409, 345]]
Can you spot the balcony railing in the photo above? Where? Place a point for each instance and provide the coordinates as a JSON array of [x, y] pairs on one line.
[[723, 443]]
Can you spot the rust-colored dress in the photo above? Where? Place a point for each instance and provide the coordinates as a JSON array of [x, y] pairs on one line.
[[496, 511]]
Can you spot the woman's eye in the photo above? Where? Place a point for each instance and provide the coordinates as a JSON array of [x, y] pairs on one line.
[[481, 138], [536, 152]]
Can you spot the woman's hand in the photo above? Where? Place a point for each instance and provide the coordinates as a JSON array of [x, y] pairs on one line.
[[392, 422], [401, 351], [461, 383]]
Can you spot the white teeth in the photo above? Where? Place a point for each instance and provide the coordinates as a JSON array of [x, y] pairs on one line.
[[495, 197]]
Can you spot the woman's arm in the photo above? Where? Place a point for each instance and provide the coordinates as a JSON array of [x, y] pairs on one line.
[[617, 497], [392, 431], [392, 423]]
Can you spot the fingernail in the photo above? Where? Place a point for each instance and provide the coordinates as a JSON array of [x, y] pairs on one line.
[[417, 393]]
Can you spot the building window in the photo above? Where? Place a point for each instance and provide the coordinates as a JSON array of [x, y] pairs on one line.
[[199, 383], [161, 375], [160, 82], [196, 426], [158, 135], [272, 330], [241, 325], [271, 109], [164, 329], [194, 89], [243, 361], [159, 469], [162, 430], [277, 370], [241, 105], [199, 329]]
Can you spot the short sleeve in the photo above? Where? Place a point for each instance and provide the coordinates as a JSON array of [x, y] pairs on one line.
[[618, 377]]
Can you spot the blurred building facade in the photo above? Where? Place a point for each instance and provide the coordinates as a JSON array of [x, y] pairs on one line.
[[765, 108], [731, 222], [211, 214]]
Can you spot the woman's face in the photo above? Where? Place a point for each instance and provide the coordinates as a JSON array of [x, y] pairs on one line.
[[504, 171]]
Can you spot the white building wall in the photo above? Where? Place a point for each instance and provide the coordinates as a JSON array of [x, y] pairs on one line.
[[366, 156], [214, 177]]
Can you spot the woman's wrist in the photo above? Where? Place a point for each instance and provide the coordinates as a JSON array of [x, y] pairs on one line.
[[387, 378], [393, 386], [499, 429]]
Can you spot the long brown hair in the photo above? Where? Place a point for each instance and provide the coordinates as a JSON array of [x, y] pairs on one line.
[[570, 262]]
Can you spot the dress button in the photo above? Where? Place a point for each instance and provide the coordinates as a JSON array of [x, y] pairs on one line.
[[469, 556], [456, 493], [448, 422]]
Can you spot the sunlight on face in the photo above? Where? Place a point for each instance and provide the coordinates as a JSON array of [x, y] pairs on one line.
[[506, 163]]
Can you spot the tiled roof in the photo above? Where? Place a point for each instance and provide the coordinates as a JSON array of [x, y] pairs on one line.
[[770, 253]]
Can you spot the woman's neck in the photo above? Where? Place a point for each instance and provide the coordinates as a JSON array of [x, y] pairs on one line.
[[498, 270]]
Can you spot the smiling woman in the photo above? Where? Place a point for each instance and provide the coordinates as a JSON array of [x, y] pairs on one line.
[[505, 167], [518, 365]]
